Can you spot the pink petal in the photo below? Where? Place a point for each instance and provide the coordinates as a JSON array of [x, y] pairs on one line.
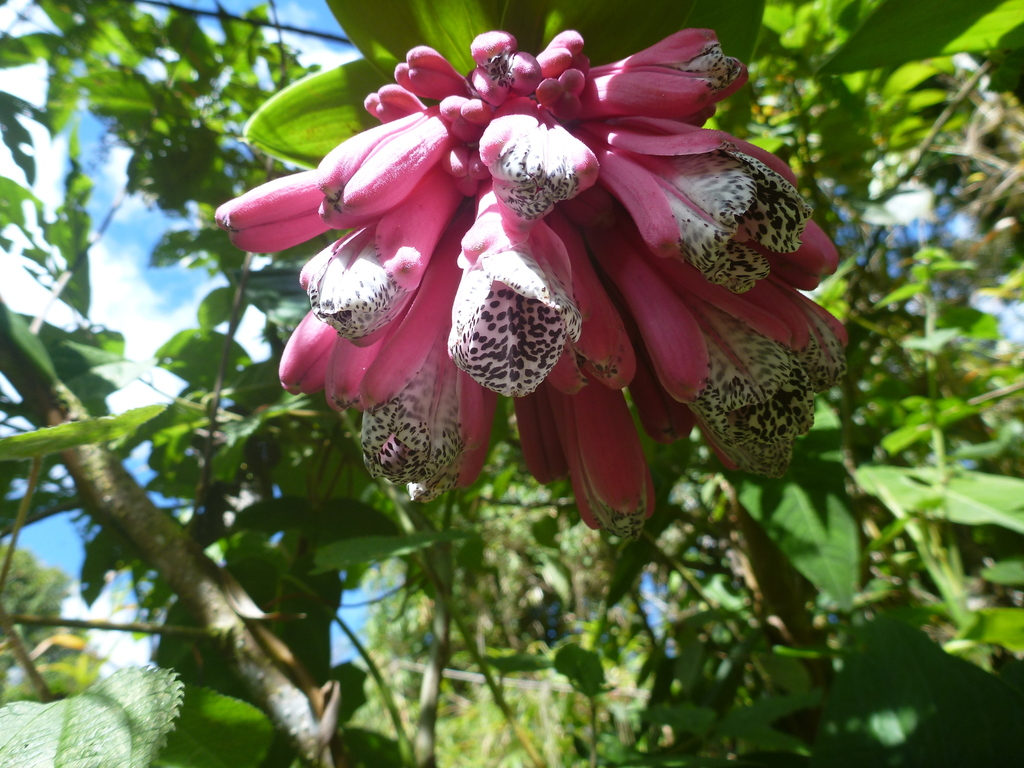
[[303, 365]]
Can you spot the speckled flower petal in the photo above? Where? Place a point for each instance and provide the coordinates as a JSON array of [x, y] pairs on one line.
[[510, 322], [410, 438], [352, 292]]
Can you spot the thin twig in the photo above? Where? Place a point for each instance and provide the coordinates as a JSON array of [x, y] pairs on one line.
[[21, 655], [1007, 390], [221, 14], [519, 682], [19, 520], [65, 278], [496, 692], [133, 626], [404, 745], [218, 385], [13, 636], [919, 152], [280, 45], [56, 509]]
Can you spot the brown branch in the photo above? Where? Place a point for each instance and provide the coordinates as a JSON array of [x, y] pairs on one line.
[[21, 655], [114, 498], [133, 626], [921, 150]]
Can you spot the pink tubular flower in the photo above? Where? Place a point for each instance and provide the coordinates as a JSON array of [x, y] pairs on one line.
[[676, 78], [567, 235]]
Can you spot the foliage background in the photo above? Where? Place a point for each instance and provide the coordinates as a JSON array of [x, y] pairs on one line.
[[866, 609]]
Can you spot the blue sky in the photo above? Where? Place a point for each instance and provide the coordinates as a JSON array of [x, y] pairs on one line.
[[148, 305]]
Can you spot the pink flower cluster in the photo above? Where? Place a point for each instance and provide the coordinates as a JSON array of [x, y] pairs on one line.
[[557, 233]]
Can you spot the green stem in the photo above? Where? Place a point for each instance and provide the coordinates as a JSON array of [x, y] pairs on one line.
[[404, 745], [496, 692], [593, 731], [19, 520]]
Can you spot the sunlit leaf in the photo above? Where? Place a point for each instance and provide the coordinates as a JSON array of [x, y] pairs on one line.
[[1009, 572], [120, 721], [899, 31], [311, 117], [999, 626], [75, 433]]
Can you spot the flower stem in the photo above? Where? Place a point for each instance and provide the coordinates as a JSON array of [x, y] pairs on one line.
[[404, 745]]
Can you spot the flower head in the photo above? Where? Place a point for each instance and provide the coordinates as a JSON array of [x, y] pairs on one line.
[[563, 234]]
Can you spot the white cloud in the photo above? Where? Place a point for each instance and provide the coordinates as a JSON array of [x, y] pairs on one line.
[[115, 603]]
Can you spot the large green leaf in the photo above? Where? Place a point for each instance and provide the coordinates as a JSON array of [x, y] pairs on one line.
[[119, 722], [806, 514], [1001, 626], [14, 331], [903, 701], [75, 433], [612, 30], [975, 498], [970, 498], [216, 731], [311, 117], [582, 667], [367, 549], [899, 31], [736, 22], [385, 30]]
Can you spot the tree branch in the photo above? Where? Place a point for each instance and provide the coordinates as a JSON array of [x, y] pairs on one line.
[[134, 626], [221, 14], [114, 498]]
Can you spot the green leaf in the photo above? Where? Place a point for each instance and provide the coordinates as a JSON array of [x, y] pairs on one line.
[[368, 549], [352, 681], [971, 322], [1009, 572], [276, 292], [904, 437], [15, 135], [898, 488], [14, 331], [753, 723], [385, 30], [975, 498], [998, 626], [195, 356], [75, 433], [816, 532], [582, 667], [612, 30], [806, 513], [312, 116], [118, 722], [903, 292], [682, 718], [736, 22], [898, 31], [903, 701], [216, 307], [216, 731], [933, 342]]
